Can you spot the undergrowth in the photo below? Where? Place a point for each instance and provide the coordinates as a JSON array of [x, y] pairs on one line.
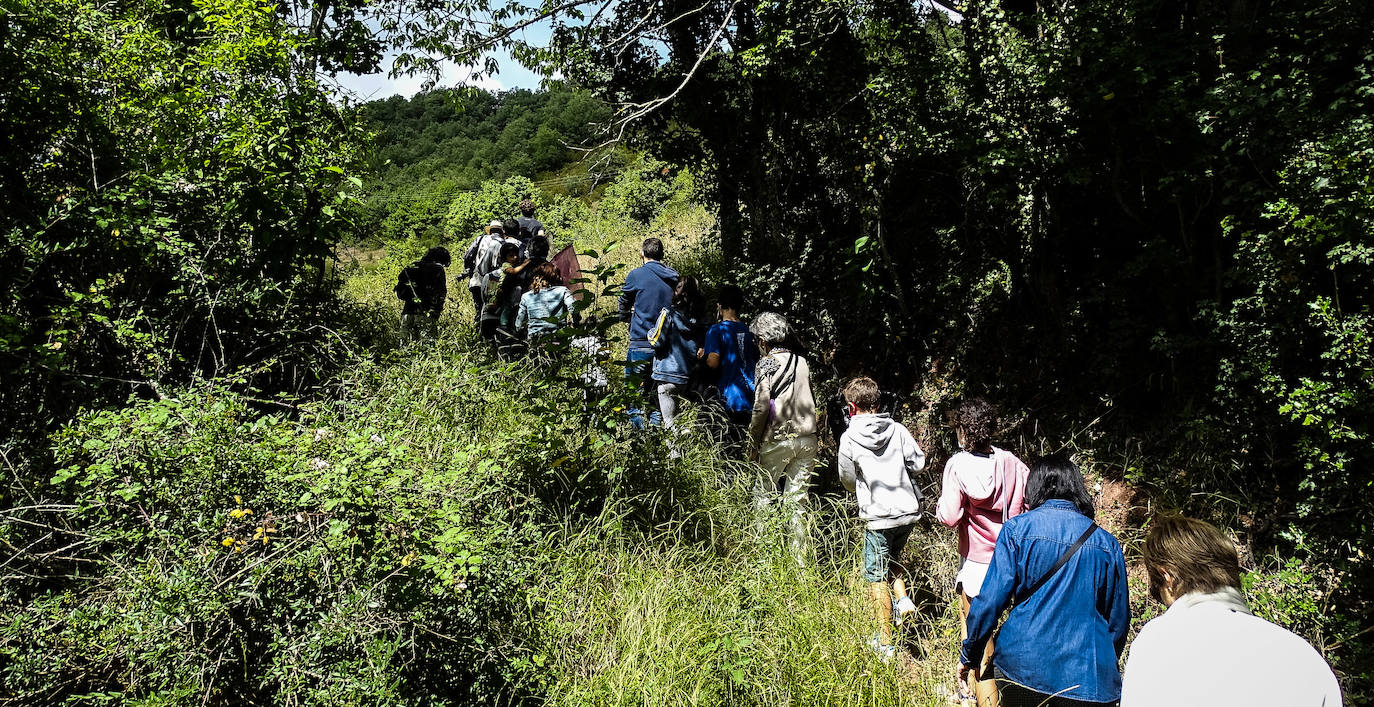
[[439, 526]]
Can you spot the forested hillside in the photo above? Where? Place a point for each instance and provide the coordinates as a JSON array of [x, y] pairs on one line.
[[1145, 230], [462, 138], [427, 149]]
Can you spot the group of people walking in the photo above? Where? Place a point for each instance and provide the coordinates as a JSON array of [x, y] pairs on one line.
[[753, 375], [1028, 541], [518, 294], [1030, 547]]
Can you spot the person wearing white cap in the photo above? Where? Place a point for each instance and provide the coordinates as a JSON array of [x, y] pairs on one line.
[[486, 267]]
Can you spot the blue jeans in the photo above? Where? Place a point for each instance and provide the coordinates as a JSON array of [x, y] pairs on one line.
[[639, 375]]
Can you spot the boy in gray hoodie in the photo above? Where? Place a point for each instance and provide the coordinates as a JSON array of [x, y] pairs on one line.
[[877, 456]]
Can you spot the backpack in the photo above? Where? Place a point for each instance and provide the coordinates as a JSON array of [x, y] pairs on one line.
[[410, 285], [470, 256], [529, 227]]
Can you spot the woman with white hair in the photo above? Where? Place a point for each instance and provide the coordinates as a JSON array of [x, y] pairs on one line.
[[782, 432]]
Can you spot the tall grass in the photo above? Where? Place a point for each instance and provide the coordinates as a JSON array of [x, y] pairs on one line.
[[657, 581], [658, 618]]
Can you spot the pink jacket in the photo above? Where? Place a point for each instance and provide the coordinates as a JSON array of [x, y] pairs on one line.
[[978, 503]]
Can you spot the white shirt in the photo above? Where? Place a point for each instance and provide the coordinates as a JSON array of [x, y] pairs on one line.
[[488, 261], [1208, 650]]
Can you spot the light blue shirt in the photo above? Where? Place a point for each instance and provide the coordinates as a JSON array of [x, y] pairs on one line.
[[544, 311]]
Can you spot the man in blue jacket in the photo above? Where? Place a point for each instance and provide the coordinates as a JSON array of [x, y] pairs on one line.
[[648, 290]]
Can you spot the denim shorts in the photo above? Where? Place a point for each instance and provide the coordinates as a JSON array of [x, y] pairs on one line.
[[881, 549]]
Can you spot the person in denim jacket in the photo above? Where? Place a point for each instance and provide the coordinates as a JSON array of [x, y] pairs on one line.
[[1060, 645], [676, 338]]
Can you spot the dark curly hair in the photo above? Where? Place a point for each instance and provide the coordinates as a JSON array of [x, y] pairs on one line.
[[977, 419]]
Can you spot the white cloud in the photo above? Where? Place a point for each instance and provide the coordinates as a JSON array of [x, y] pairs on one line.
[[375, 86], [450, 76]]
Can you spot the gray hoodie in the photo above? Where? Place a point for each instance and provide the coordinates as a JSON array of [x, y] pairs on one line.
[[877, 456]]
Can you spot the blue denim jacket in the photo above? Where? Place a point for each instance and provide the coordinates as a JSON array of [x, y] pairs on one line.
[[675, 354], [1068, 636]]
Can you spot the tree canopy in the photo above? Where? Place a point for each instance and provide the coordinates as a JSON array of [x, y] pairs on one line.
[[1144, 227]]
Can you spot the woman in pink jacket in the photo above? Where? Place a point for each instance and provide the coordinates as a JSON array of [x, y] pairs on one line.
[[983, 487]]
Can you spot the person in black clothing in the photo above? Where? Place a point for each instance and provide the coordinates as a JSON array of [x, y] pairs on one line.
[[529, 225], [512, 229], [423, 287]]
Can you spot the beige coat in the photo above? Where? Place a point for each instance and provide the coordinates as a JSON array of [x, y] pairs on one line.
[[783, 405]]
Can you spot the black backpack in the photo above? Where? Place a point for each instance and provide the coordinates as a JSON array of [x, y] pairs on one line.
[[410, 286], [470, 256]]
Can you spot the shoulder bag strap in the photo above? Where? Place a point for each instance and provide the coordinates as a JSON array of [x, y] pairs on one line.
[[1063, 560]]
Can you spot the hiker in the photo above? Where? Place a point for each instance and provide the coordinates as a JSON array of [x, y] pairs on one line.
[[533, 254], [1207, 648], [547, 306], [1065, 579], [423, 287], [499, 302], [512, 230], [983, 487], [676, 338], [730, 349], [647, 291], [519, 275], [782, 428], [527, 226], [877, 457], [485, 267]]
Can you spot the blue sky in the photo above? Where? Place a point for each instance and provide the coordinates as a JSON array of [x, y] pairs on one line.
[[511, 75]]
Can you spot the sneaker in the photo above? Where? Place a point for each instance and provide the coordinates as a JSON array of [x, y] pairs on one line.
[[884, 651], [901, 608]]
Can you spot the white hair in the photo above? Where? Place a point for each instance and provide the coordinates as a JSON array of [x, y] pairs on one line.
[[770, 327]]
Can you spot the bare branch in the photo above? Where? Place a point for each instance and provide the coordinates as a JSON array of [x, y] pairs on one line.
[[638, 111]]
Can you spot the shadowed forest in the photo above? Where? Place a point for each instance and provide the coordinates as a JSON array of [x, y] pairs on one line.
[[1144, 229]]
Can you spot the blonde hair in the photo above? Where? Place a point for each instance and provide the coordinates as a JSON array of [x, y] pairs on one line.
[[1194, 553]]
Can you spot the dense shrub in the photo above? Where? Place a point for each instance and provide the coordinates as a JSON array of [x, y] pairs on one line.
[[176, 222]]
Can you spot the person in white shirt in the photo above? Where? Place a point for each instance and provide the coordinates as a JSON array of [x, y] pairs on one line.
[[487, 265], [1208, 649]]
